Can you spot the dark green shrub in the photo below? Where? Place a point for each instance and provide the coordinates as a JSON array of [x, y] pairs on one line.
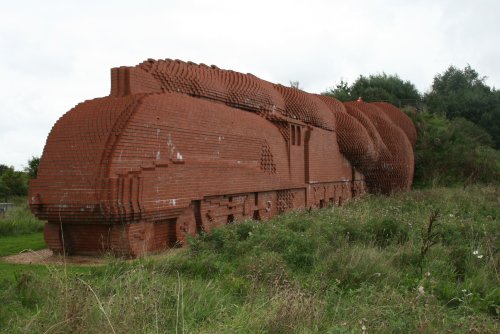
[[453, 152], [458, 258], [244, 230], [25, 281], [351, 230], [387, 231]]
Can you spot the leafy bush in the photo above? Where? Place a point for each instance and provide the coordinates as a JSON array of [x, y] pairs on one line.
[[463, 93], [386, 231], [453, 151], [12, 183]]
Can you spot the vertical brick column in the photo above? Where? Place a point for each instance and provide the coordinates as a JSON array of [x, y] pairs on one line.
[[52, 236]]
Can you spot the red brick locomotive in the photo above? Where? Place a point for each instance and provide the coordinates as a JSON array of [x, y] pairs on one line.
[[178, 148]]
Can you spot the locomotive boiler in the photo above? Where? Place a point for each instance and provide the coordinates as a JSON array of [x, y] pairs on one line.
[[178, 148]]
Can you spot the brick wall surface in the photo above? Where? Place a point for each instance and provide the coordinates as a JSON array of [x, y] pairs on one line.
[[178, 148]]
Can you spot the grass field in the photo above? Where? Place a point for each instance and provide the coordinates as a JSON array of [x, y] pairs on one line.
[[18, 243], [424, 261]]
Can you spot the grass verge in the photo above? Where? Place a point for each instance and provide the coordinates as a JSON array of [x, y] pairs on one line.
[[374, 265]]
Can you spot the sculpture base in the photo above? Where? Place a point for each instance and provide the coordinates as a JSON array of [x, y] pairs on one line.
[[124, 240]]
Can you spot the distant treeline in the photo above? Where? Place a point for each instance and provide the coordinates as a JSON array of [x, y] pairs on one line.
[[15, 183], [458, 123]]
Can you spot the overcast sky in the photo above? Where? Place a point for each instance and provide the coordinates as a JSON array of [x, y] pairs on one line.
[[55, 54]]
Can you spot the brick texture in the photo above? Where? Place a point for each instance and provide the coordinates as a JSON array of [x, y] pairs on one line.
[[178, 148]]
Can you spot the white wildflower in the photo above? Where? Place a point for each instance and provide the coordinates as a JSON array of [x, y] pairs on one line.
[[421, 290], [475, 252], [480, 256]]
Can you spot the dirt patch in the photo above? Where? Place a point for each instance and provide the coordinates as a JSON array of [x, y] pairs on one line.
[[45, 256]]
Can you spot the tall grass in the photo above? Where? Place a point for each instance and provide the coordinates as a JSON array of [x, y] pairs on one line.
[[357, 268], [19, 220]]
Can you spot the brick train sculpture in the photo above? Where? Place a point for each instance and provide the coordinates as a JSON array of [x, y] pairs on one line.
[[178, 148]]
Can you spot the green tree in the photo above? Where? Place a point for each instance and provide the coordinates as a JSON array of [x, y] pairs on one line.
[[4, 192], [463, 93], [379, 87], [341, 92], [3, 168], [295, 84], [32, 168], [383, 87], [13, 183]]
